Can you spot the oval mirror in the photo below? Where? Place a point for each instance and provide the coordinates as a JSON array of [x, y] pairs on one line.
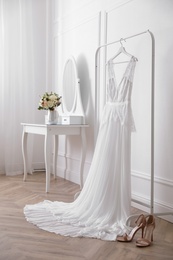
[[70, 81]]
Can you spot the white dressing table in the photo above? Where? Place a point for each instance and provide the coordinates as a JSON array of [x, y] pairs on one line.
[[72, 122], [54, 131]]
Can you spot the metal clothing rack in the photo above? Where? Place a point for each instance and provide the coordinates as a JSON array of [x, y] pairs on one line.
[[151, 206]]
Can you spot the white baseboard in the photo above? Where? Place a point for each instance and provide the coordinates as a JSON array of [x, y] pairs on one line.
[[68, 175], [161, 210], [162, 195]]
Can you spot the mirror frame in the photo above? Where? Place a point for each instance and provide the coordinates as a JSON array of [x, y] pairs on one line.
[[70, 59]]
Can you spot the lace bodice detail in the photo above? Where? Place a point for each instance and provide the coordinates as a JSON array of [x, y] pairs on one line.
[[119, 95], [120, 92]]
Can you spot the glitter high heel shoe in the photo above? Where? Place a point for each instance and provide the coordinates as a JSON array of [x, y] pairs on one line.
[[140, 224], [147, 239]]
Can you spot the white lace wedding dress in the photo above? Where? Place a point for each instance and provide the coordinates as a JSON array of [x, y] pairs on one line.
[[101, 209]]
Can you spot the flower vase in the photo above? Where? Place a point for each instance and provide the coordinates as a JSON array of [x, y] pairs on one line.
[[52, 117]]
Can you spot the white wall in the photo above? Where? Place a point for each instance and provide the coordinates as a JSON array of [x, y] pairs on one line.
[[71, 38], [79, 27]]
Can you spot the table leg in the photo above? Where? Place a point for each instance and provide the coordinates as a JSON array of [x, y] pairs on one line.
[[55, 154], [47, 146], [24, 153], [65, 157], [83, 154]]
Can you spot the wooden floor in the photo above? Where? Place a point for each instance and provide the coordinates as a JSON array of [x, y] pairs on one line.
[[20, 240]]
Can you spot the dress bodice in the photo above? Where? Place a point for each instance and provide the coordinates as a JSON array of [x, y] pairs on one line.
[[119, 95], [120, 92]]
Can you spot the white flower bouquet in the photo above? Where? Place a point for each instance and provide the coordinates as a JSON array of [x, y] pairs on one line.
[[49, 101]]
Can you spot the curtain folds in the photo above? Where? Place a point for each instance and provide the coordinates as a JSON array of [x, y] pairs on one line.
[[17, 81]]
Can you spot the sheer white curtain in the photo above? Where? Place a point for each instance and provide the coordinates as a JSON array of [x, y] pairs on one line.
[[18, 99]]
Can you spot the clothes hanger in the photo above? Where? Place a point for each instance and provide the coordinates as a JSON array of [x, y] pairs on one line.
[[122, 50]]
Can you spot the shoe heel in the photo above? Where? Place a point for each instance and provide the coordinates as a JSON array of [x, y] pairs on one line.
[[148, 235], [142, 231]]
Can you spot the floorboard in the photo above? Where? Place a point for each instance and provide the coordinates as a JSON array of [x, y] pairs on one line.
[[23, 241]]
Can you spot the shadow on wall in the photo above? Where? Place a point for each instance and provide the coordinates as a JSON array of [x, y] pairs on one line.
[[85, 87], [88, 107]]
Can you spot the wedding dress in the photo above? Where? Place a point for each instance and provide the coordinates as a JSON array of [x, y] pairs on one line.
[[101, 209]]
